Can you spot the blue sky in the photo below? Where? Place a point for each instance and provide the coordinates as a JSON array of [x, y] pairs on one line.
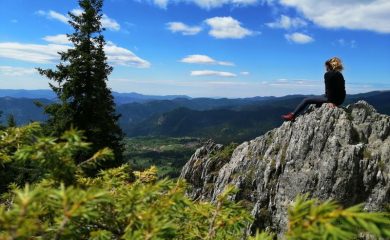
[[208, 48]]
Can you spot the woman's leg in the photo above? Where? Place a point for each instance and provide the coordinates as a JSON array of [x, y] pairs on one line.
[[310, 100]]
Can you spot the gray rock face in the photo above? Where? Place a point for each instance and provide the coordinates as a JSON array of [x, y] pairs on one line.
[[329, 153]]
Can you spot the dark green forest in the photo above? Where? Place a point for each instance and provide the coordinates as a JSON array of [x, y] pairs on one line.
[[224, 120]]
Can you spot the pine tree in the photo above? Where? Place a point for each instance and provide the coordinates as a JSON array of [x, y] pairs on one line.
[[1, 125], [11, 121], [86, 103]]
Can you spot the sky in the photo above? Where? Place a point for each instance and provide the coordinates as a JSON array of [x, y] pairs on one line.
[[207, 48]]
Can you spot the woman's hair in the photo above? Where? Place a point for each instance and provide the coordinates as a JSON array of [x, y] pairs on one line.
[[334, 64]]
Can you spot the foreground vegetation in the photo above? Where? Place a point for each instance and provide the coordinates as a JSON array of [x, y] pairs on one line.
[[49, 195]]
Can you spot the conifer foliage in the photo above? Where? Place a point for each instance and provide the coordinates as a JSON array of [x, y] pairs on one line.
[[86, 103], [59, 201]]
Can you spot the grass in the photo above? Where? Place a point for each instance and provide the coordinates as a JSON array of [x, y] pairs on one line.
[[226, 153]]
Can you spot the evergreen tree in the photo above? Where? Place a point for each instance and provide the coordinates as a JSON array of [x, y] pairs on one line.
[[11, 121], [1, 125], [85, 103]]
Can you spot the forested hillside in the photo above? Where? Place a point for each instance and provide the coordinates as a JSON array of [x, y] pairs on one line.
[[221, 119]]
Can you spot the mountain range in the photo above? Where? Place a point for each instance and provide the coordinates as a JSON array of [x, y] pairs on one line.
[[120, 98], [222, 119]]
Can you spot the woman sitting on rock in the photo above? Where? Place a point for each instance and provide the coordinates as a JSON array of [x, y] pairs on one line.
[[334, 89]]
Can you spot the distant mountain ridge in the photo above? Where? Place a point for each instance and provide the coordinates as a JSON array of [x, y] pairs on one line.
[[120, 98], [231, 120], [22, 93], [24, 110], [223, 119]]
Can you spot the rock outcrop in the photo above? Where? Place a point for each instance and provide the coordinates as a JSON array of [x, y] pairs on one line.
[[329, 153]]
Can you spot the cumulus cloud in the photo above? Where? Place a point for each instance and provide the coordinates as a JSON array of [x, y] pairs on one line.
[[57, 39], [209, 4], [183, 28], [41, 53], [16, 71], [204, 59], [107, 22], [370, 15], [77, 11], [122, 56], [35, 53], [245, 73], [161, 3], [110, 23], [227, 27], [201, 73], [299, 38], [205, 4], [364, 15], [53, 15], [286, 22]]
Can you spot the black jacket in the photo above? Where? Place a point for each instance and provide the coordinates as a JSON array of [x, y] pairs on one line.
[[335, 87]]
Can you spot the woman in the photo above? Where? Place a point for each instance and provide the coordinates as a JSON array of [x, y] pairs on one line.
[[334, 89]]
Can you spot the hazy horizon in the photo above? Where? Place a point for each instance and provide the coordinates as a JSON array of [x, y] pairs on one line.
[[185, 95]]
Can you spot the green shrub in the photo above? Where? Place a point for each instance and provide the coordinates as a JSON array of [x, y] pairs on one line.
[[226, 152], [114, 204], [311, 219]]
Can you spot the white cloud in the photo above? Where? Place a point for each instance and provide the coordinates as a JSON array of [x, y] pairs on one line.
[[77, 11], [16, 71], [161, 3], [53, 15], [39, 53], [35, 53], [124, 57], [299, 38], [370, 15], [204, 59], [245, 73], [107, 22], [201, 73], [57, 39], [227, 27], [209, 4], [110, 23], [58, 16], [286, 22], [205, 4], [183, 28]]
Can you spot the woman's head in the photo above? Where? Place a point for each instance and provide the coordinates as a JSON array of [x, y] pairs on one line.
[[334, 64]]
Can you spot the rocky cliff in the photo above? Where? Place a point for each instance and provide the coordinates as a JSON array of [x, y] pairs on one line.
[[329, 153]]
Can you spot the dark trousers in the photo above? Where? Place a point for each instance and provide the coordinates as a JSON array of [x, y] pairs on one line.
[[310, 100]]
